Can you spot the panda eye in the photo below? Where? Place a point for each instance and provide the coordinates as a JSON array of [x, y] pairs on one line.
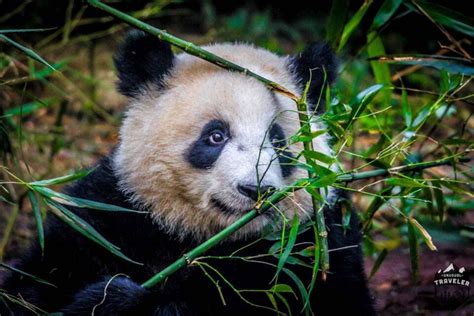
[[217, 138]]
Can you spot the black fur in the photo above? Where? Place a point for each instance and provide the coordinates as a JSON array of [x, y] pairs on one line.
[[81, 270], [285, 157], [318, 63], [202, 153], [142, 59], [88, 277]]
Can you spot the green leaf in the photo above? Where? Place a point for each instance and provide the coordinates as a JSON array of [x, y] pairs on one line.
[[361, 101], [282, 288], [406, 109], [38, 218], [335, 21], [413, 246], [405, 182], [386, 11], [64, 179], [85, 229], [424, 233], [285, 302], [78, 202], [351, 26], [381, 71], [272, 299], [301, 288], [378, 262], [316, 155], [40, 280], [439, 197], [448, 17], [289, 245], [28, 52], [451, 64], [28, 108]]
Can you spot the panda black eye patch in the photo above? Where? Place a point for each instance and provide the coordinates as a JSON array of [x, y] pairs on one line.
[[204, 152], [277, 137]]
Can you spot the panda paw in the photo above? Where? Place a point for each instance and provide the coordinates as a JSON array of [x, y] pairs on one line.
[[120, 296]]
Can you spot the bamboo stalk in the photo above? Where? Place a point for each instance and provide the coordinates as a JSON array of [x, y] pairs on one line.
[[188, 257], [198, 251], [191, 48], [320, 226]]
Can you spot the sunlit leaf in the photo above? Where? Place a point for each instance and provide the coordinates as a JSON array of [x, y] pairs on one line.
[[452, 64], [413, 246], [426, 236]]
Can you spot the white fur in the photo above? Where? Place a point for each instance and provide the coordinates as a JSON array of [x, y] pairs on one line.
[[161, 125]]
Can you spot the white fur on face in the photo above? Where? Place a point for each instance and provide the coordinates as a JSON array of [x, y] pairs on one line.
[[160, 127]]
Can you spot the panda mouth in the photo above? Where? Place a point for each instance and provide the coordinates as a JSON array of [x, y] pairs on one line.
[[227, 209], [232, 211]]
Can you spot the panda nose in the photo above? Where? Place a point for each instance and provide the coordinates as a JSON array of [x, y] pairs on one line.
[[252, 191]]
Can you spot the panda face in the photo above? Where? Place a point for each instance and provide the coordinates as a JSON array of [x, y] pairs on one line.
[[201, 145]]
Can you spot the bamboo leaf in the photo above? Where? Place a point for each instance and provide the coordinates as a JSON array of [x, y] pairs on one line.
[[282, 288], [353, 23], [361, 101], [316, 155], [302, 289], [289, 245], [285, 302], [335, 21], [272, 299], [28, 52], [40, 280], [378, 262], [405, 182], [78, 202], [451, 64], [38, 218], [28, 108], [386, 11], [85, 229], [64, 179], [381, 71], [413, 246], [439, 197], [426, 236], [406, 109], [447, 17]]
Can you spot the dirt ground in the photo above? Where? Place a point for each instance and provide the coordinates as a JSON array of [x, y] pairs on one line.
[[396, 295]]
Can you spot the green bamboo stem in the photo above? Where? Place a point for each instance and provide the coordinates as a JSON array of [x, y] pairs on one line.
[[348, 177], [188, 257], [320, 226], [198, 251], [191, 48]]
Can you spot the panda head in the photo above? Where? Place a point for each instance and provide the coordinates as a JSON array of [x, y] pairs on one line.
[[200, 144]]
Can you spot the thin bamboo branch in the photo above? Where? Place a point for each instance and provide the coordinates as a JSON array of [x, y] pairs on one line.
[[192, 49], [196, 252]]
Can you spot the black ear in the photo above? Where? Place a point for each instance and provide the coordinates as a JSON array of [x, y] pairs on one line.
[[140, 60], [319, 63]]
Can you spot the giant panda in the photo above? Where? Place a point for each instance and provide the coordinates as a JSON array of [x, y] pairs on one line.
[[198, 146]]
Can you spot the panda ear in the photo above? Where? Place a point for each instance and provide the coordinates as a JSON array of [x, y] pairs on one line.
[[317, 62], [142, 59]]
